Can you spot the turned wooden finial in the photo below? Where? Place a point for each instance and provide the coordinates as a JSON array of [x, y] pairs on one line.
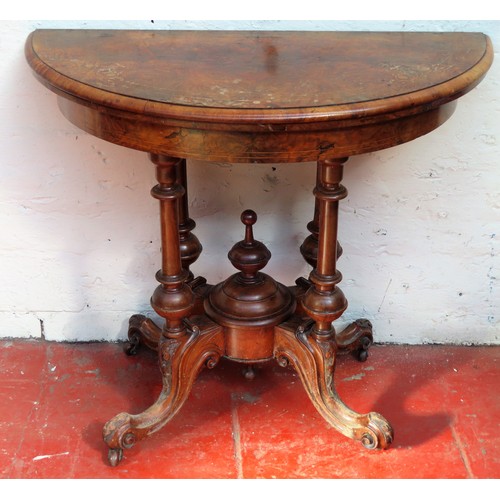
[[249, 255], [249, 304], [249, 218]]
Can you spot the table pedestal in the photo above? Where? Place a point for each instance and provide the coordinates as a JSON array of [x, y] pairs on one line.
[[249, 317]]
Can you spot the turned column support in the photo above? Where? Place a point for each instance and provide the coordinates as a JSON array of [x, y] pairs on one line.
[[190, 246], [356, 337], [324, 302], [171, 191], [309, 248], [173, 299]]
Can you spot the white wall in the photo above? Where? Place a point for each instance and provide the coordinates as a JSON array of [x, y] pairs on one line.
[[80, 238]]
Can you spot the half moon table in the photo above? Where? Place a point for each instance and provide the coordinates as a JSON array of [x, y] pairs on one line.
[[249, 97]]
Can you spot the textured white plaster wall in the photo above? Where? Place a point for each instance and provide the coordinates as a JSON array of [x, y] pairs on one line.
[[80, 239]]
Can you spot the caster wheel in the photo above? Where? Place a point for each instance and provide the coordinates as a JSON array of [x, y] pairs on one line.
[[115, 456], [362, 355], [249, 372], [133, 344]]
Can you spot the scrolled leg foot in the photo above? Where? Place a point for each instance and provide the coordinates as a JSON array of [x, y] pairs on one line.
[[314, 359], [142, 331], [180, 359], [120, 433], [356, 339], [379, 433]]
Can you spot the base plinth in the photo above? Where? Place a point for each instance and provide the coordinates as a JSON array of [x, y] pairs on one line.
[[292, 342], [248, 312], [251, 318]]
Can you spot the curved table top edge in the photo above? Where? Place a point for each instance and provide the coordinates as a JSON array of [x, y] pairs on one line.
[[410, 103]]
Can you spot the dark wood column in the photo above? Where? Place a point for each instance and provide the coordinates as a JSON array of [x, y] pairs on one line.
[[173, 299], [324, 302]]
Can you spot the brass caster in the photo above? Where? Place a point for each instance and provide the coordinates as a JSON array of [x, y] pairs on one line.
[[115, 456]]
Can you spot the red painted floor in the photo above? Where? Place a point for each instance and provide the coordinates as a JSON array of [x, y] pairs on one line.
[[442, 401]]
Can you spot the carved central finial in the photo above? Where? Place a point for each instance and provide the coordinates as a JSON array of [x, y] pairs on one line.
[[249, 255], [249, 304], [249, 218]]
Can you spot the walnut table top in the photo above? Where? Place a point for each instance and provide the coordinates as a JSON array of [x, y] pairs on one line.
[[237, 95]]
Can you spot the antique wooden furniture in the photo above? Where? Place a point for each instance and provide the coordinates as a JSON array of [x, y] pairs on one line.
[[253, 97]]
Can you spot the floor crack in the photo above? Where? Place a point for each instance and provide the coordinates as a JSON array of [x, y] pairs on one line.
[[463, 455], [235, 423]]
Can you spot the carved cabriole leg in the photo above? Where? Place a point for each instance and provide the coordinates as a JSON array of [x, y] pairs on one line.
[[313, 357], [183, 347], [312, 348], [181, 359]]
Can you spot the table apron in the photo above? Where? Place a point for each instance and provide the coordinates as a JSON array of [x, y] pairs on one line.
[[184, 141]]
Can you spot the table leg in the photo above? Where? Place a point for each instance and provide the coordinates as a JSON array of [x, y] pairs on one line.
[[312, 352], [184, 348], [141, 329], [313, 358], [357, 337]]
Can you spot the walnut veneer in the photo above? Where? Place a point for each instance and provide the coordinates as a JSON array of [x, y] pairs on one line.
[[253, 96]]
